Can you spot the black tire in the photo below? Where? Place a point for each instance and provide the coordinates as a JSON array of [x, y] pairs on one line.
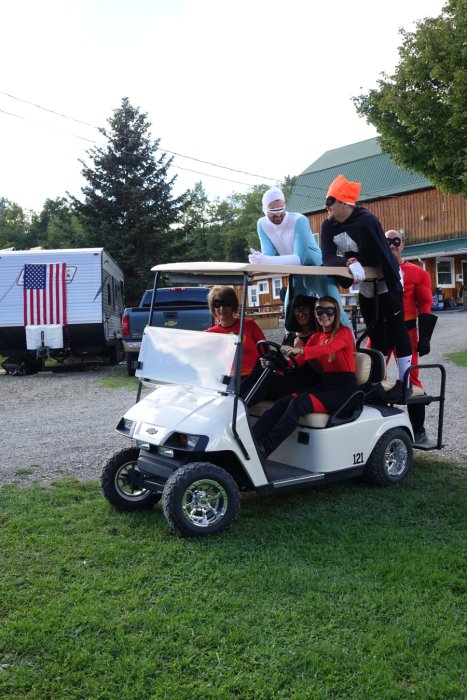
[[200, 499], [391, 459], [130, 358], [116, 487]]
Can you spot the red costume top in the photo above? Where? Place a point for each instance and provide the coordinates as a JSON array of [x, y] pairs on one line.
[[321, 346], [417, 291], [251, 334]]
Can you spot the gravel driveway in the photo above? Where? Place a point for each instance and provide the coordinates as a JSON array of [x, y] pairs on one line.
[[64, 424]]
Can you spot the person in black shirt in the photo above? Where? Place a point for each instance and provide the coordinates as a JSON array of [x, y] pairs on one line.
[[352, 236]]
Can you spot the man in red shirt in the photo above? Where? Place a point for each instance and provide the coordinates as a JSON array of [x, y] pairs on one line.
[[417, 300]]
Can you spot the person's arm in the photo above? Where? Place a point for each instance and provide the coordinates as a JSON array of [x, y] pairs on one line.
[[312, 351], [422, 291], [256, 332], [329, 248], [305, 242]]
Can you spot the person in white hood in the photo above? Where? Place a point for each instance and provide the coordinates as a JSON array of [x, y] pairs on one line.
[[286, 239]]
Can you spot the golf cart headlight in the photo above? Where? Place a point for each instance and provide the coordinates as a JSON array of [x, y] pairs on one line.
[[187, 441], [126, 426]]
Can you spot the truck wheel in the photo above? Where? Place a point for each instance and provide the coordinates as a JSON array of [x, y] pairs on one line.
[[200, 499], [116, 482], [130, 358], [391, 458]]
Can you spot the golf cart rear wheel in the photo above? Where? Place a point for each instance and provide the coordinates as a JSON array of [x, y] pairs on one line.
[[118, 486], [200, 499], [391, 458]]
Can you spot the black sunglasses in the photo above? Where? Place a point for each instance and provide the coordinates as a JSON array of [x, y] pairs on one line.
[[396, 241], [217, 303], [305, 310], [330, 201], [325, 311]]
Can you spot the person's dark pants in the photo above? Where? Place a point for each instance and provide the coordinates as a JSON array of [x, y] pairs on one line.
[[390, 311], [276, 424], [416, 413], [278, 385]]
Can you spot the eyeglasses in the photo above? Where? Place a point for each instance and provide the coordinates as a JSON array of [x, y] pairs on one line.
[[217, 303], [276, 211], [325, 311], [330, 201], [304, 310], [396, 241]]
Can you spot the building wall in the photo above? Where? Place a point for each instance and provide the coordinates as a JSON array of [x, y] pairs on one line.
[[424, 217]]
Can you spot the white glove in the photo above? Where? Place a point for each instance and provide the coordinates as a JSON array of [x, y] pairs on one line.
[[257, 258], [357, 272]]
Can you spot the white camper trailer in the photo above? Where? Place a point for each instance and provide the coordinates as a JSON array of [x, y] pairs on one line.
[[58, 304]]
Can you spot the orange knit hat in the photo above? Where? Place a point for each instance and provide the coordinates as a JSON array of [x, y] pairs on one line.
[[343, 190]]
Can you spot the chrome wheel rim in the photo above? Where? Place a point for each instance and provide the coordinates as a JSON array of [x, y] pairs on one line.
[[204, 503], [396, 458], [122, 484]]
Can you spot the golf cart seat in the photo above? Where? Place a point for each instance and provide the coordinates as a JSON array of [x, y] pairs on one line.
[[369, 370]]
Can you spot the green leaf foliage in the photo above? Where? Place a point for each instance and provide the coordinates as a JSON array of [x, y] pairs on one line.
[[420, 110]]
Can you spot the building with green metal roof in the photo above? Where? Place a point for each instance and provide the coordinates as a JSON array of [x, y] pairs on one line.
[[361, 162], [434, 224]]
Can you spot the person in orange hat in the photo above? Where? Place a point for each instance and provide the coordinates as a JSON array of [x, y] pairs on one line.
[[352, 236]]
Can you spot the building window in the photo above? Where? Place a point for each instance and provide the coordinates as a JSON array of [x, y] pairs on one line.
[[253, 295], [445, 272], [263, 287], [276, 288]]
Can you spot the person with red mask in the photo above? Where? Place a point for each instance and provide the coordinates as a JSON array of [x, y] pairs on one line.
[[352, 236], [417, 300]]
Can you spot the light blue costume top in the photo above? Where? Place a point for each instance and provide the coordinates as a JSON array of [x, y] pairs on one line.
[[293, 236]]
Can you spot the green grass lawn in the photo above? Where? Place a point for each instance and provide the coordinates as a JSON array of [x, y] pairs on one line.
[[459, 358], [340, 592]]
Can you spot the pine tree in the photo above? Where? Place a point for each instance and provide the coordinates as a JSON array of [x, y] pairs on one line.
[[128, 206]]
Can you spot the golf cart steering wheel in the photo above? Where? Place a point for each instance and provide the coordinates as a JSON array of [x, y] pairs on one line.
[[272, 351]]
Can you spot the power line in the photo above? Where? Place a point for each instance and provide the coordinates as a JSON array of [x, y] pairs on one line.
[[45, 109], [46, 126], [180, 155], [68, 133]]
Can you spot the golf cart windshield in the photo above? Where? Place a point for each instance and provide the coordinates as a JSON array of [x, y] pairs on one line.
[[190, 358]]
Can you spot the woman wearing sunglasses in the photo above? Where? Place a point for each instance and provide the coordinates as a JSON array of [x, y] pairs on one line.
[[223, 304], [333, 347], [300, 320]]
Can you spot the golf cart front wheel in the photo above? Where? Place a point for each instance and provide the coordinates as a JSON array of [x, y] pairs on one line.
[[200, 499], [391, 458], [119, 482]]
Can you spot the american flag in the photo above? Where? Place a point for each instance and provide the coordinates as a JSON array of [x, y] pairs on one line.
[[44, 294]]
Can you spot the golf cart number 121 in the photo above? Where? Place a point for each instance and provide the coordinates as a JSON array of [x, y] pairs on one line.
[[358, 458]]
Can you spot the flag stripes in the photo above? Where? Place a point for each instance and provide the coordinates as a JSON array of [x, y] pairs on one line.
[[44, 294]]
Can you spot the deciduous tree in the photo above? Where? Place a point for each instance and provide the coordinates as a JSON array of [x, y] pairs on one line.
[[420, 110]]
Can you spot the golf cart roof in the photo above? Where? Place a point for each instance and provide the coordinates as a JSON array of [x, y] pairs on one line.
[[257, 271]]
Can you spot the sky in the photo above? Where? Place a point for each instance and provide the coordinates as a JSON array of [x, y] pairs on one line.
[[257, 86]]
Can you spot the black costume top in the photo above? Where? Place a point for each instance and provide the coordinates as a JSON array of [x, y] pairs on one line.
[[360, 236]]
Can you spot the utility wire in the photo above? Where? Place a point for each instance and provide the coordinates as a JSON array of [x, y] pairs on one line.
[[302, 186], [181, 155]]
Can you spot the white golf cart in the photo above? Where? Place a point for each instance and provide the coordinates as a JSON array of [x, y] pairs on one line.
[[193, 443]]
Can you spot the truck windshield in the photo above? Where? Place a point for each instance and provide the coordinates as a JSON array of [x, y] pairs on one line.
[[190, 358]]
